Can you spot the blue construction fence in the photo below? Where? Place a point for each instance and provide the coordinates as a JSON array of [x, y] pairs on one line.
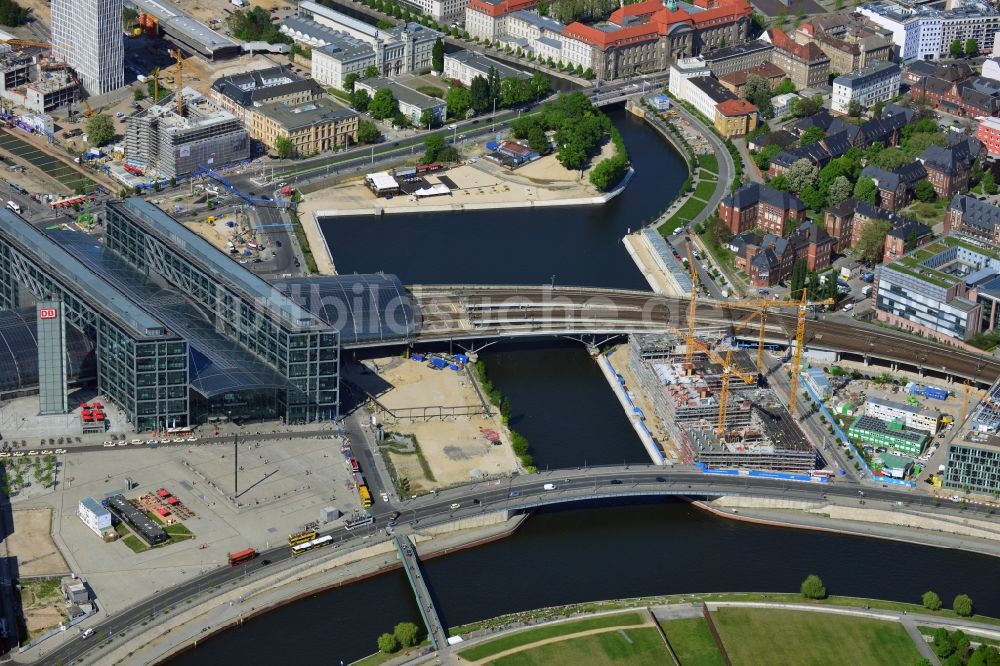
[[784, 476], [634, 409], [850, 445]]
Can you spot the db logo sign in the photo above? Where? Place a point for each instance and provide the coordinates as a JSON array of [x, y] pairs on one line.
[[47, 313]]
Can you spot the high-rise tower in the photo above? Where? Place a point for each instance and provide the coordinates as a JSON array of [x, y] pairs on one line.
[[87, 34]]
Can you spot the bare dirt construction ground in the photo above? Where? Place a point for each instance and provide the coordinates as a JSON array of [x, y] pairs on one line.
[[42, 603], [32, 547], [454, 448], [478, 182]]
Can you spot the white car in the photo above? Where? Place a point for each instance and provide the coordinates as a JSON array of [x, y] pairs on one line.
[[107, 444], [192, 439], [150, 442], [385, 497], [4, 454], [47, 452], [456, 505], [32, 453], [178, 440], [124, 443], [18, 454], [60, 451]]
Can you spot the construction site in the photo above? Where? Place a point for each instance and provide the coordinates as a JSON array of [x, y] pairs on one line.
[[716, 413]]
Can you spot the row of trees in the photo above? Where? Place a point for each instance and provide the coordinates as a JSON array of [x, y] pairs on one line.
[[970, 49]]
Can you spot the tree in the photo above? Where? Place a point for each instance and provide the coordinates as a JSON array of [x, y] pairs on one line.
[[797, 280], [962, 605], [371, 72], [433, 146], [458, 101], [786, 86], [806, 106], [871, 243], [971, 48], [801, 174], [479, 93], [437, 56], [877, 108], [608, 172], [537, 139], [387, 643], [840, 190], [100, 129], [812, 135], [542, 8], [350, 80], [255, 24], [758, 93], [406, 633], [779, 182], [493, 79], [942, 644], [854, 108], [989, 183], [924, 191], [572, 155], [541, 85], [383, 104], [866, 190], [138, 95], [360, 100], [284, 147], [368, 132], [428, 118], [812, 587], [931, 600], [956, 48]]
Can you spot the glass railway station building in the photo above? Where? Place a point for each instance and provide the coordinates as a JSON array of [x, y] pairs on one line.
[[175, 332]]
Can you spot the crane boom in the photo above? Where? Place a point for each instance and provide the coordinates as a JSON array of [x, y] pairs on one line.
[[692, 305], [800, 336], [179, 80]]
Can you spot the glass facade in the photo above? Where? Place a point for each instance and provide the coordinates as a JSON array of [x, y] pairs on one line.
[[244, 308], [52, 374], [976, 468]]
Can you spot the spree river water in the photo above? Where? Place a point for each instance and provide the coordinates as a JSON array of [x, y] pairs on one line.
[[562, 404], [579, 245]]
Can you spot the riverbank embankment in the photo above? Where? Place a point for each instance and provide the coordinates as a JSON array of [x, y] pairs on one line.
[[183, 628]]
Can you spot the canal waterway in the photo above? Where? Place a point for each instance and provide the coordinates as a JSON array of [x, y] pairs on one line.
[[579, 245], [602, 551]]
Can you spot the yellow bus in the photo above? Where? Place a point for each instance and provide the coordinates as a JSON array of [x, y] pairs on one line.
[[302, 537]]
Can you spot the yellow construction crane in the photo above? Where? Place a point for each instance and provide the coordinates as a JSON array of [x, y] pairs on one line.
[[179, 80], [800, 336], [728, 369], [23, 43], [692, 305], [763, 304]]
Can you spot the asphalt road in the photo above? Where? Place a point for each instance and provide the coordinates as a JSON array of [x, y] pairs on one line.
[[517, 493]]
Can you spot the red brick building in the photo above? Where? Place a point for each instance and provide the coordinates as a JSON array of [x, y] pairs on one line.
[[757, 205]]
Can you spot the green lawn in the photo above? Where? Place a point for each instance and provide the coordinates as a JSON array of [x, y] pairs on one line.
[[692, 641], [690, 208], [709, 162], [541, 633], [136, 544], [635, 647], [776, 637], [705, 189]]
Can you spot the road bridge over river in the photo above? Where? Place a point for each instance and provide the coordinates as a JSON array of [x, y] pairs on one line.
[[512, 495], [483, 312]]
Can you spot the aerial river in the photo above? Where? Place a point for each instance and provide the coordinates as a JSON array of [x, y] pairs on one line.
[[562, 404]]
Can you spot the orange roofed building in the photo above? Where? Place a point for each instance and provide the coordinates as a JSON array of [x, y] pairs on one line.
[[644, 37], [735, 117]]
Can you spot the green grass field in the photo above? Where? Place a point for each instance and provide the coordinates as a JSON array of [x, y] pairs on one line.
[[709, 162], [777, 637], [692, 641], [635, 647], [690, 208], [541, 633], [705, 189]]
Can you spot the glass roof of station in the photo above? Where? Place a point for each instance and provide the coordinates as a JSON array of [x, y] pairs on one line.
[[217, 363], [75, 277], [211, 260], [364, 308], [19, 351]]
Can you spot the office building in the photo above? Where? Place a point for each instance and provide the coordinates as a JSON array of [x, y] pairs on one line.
[[969, 216], [169, 144], [466, 65], [893, 435], [94, 516], [911, 416], [922, 32], [87, 35], [949, 168], [878, 82], [806, 64], [643, 37], [313, 127], [412, 103], [241, 94], [756, 205], [988, 133]]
